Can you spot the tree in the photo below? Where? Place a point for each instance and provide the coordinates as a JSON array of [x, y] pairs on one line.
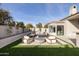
[[28, 26], [46, 26], [20, 24], [17, 25], [11, 23], [4, 16], [39, 25]]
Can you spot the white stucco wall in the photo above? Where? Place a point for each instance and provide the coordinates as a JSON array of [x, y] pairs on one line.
[[4, 32], [70, 29]]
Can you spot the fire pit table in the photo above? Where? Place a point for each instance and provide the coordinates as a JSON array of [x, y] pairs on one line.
[[39, 39]]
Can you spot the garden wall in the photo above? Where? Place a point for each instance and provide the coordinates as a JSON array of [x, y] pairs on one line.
[[7, 31]]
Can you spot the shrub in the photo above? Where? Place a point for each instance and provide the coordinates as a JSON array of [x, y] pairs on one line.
[[67, 46]]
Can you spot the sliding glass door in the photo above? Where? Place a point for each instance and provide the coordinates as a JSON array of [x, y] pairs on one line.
[[60, 30], [52, 29]]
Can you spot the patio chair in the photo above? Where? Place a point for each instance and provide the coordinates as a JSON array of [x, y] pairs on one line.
[[51, 39], [27, 40], [48, 41]]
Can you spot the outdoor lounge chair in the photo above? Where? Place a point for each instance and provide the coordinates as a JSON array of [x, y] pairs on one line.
[[51, 39], [27, 40]]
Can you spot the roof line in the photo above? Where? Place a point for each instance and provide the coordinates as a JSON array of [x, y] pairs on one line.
[[65, 17], [69, 16]]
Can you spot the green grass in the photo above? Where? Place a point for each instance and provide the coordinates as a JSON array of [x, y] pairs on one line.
[[36, 50]]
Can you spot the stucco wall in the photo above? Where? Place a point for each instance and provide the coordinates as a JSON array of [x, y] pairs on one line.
[[5, 31], [71, 29]]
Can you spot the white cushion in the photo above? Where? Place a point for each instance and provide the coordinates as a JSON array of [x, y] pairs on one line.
[[51, 37], [49, 41], [26, 37], [53, 41], [24, 41]]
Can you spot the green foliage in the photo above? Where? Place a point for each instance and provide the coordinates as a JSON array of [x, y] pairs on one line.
[[20, 24], [38, 50], [28, 26], [46, 26], [66, 46], [4, 16], [11, 23], [6, 19], [39, 25]]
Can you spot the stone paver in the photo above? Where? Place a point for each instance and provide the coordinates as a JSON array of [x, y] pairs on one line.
[[36, 43]]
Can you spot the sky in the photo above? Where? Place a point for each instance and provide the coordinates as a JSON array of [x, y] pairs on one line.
[[37, 12]]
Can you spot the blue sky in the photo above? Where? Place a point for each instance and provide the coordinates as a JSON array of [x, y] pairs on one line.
[[38, 12]]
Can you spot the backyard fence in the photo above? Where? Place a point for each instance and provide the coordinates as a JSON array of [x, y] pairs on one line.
[[7, 31]]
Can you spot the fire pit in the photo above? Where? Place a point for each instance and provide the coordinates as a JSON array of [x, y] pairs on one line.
[[40, 38]]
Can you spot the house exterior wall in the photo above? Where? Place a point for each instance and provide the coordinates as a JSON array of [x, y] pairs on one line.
[[55, 24], [71, 28]]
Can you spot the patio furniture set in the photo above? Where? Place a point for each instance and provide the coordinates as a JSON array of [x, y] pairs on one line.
[[39, 38]]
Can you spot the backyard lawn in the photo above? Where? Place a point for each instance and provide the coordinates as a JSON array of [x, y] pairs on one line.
[[36, 50]]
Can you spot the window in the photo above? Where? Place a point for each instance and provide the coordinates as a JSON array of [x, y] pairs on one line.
[[60, 30], [51, 28]]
